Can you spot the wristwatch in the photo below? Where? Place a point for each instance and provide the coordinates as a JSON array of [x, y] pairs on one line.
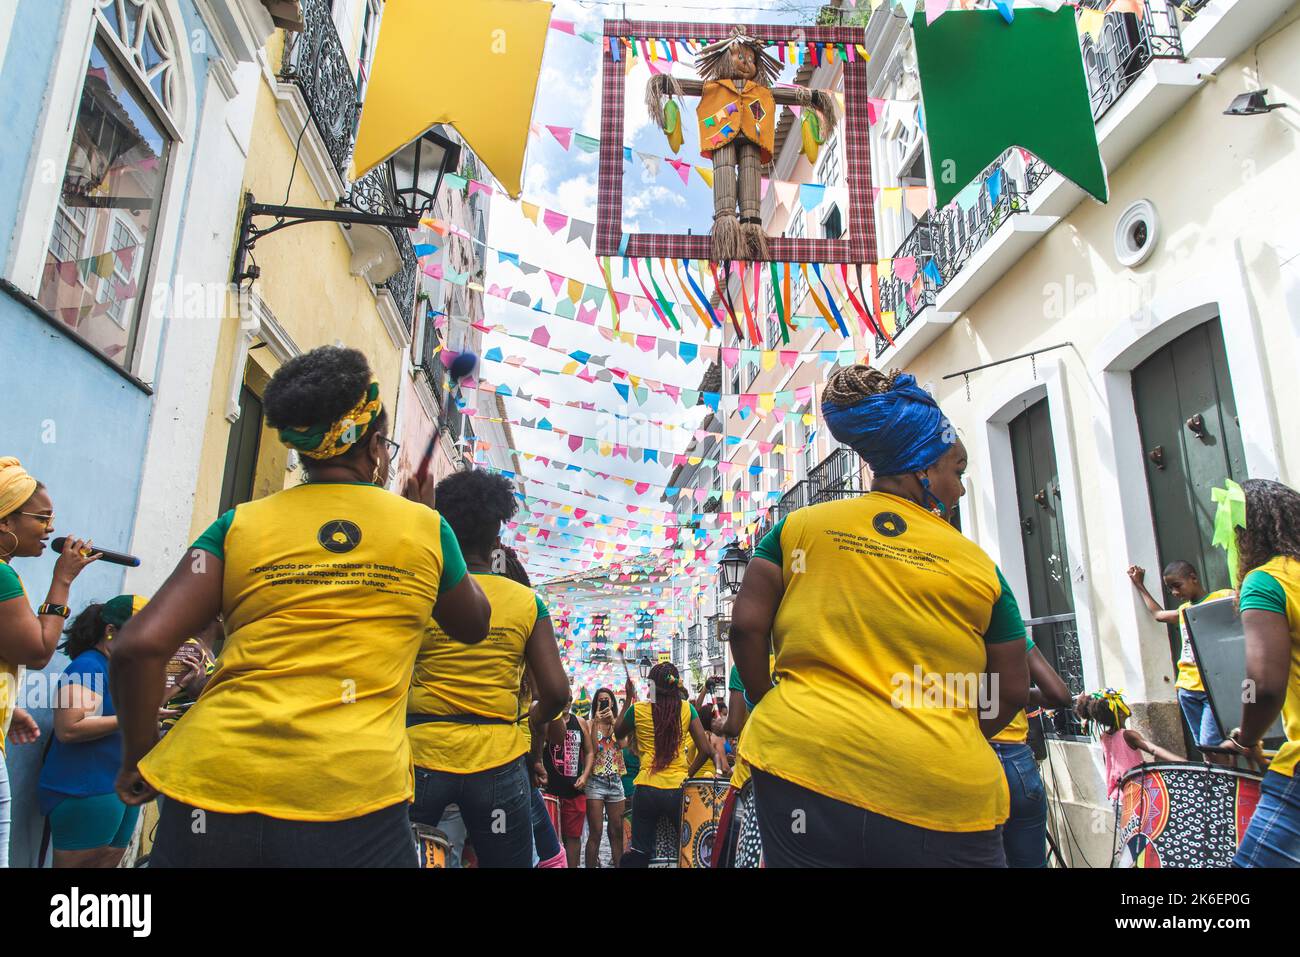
[[49, 609]]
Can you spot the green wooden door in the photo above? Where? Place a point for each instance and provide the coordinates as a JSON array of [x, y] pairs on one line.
[[1038, 497], [241, 452], [1191, 442]]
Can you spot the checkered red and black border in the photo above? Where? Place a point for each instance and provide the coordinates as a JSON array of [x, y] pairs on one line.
[[859, 247]]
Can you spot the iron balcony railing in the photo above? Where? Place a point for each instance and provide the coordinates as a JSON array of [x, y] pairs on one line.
[[948, 238], [375, 193], [716, 635], [1057, 638], [839, 475], [435, 373], [1127, 44], [316, 63]]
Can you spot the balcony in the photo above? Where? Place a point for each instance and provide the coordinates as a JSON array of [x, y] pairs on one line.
[[1127, 45], [973, 248], [316, 63], [374, 193], [839, 475]]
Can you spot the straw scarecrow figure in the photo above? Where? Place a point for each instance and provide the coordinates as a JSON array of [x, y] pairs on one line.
[[737, 115]]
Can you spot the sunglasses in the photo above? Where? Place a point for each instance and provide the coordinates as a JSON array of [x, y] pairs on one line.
[[48, 520]]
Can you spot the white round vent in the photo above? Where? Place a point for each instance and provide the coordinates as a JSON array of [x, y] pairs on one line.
[[1136, 234]]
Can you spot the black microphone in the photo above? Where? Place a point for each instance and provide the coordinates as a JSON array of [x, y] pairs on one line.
[[116, 558]]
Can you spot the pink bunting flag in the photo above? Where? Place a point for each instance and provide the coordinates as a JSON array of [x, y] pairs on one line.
[[554, 221], [433, 270], [646, 343], [556, 281], [587, 314], [683, 169], [476, 187], [564, 26], [934, 9], [874, 105], [905, 268], [540, 336], [562, 134]]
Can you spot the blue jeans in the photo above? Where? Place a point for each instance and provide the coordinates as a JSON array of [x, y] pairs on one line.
[[1196, 709], [5, 805], [1024, 836], [188, 837], [1273, 837], [494, 804], [545, 842]]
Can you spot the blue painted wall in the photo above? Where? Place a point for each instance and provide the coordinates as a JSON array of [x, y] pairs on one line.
[[24, 81], [75, 423]]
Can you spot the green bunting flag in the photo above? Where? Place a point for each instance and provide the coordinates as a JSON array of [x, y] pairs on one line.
[[988, 85]]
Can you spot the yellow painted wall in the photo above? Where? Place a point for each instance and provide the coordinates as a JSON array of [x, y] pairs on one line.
[[307, 284]]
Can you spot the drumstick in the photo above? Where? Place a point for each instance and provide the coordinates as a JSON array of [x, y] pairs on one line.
[[623, 661], [422, 471]]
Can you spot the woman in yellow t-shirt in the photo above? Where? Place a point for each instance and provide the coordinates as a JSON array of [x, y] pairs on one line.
[[662, 727], [468, 747], [296, 752], [1269, 570], [899, 651]]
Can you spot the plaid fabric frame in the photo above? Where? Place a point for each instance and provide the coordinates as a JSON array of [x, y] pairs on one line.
[[859, 247]]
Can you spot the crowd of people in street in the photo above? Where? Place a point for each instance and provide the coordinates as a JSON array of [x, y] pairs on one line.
[[338, 675]]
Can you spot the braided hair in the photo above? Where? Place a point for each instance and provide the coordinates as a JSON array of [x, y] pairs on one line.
[[667, 714], [1272, 525], [851, 384]]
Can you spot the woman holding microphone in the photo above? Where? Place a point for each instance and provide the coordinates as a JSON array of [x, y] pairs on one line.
[[296, 753], [27, 639]]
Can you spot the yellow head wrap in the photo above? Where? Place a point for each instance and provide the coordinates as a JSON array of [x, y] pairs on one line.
[[16, 486]]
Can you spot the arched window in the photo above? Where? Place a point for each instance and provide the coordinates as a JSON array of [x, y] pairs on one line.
[[96, 265]]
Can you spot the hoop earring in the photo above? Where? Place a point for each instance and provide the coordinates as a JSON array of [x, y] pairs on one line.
[[10, 554]]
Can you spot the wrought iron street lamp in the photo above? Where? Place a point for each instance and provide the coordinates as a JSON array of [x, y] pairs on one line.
[[732, 567], [644, 666], [411, 178]]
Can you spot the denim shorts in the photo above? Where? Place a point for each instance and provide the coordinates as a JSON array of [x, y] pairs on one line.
[[604, 789]]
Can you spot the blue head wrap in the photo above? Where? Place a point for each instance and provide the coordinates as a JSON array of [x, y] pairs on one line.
[[896, 432]]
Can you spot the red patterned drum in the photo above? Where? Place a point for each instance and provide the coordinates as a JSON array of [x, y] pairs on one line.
[[1183, 815]]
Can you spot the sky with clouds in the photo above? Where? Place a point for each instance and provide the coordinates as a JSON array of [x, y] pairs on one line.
[[566, 181]]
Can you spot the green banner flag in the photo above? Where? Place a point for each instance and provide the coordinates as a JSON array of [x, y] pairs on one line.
[[988, 85]]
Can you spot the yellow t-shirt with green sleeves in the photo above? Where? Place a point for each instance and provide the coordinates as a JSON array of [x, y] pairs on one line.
[[739, 766], [672, 776], [326, 592], [880, 642], [1017, 731], [1275, 586], [1189, 675], [11, 587], [452, 678]]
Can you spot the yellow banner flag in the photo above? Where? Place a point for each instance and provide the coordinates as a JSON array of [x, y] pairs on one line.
[[472, 65]]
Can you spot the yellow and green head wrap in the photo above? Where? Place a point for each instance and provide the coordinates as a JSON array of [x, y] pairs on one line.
[[326, 442], [118, 611]]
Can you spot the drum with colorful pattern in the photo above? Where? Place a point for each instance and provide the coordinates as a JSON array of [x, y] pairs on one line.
[[1183, 815], [666, 850], [701, 805], [749, 847]]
